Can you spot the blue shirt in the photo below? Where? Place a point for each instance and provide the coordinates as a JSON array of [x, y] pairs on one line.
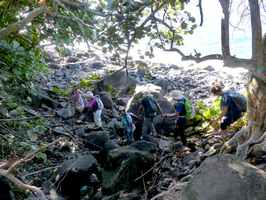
[[180, 107]]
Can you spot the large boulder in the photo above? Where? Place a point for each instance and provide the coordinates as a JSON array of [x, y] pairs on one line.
[[118, 80], [163, 124], [127, 164], [223, 177], [135, 102], [76, 174], [96, 140], [107, 100]]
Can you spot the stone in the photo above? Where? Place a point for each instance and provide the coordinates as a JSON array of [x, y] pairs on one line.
[[135, 102], [41, 96], [259, 150], [78, 173], [66, 113], [224, 177], [118, 80], [145, 146], [127, 164], [107, 100], [95, 141], [97, 65]]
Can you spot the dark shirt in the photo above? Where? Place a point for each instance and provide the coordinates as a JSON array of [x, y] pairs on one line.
[[228, 101]]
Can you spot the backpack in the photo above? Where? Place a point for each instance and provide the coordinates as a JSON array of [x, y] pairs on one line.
[[79, 103], [99, 103], [127, 121], [151, 108], [240, 101], [189, 109]]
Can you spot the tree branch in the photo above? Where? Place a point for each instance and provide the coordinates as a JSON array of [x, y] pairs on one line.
[[31, 155], [82, 6], [22, 185], [201, 12], [15, 27]]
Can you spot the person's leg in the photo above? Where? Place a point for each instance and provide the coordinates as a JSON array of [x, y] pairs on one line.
[[180, 129], [153, 129], [146, 127], [97, 118], [226, 121], [129, 135]]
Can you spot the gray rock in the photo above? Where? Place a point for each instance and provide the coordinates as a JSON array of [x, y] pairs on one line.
[[135, 102], [145, 146], [41, 96], [128, 164], [118, 80], [97, 65], [107, 100], [223, 177], [76, 174], [95, 141], [66, 113]]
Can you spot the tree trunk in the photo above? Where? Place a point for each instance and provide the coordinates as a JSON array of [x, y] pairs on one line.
[[256, 130], [225, 38]]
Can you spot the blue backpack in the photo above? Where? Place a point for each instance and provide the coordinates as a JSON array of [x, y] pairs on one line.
[[151, 108], [239, 100]]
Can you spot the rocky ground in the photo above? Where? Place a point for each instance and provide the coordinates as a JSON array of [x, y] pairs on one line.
[[88, 163]]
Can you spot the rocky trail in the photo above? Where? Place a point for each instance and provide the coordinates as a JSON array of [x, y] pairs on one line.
[[84, 162]]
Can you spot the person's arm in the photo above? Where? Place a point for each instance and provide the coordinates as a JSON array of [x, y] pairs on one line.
[[224, 112], [175, 114], [158, 107]]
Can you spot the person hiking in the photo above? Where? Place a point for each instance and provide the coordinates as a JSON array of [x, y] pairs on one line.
[[151, 109], [128, 126], [94, 104], [77, 99], [233, 105], [183, 113]]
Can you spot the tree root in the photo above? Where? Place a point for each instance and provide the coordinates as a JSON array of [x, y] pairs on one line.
[[242, 141]]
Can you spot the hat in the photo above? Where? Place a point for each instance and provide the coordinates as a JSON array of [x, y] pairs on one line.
[[176, 95], [88, 94]]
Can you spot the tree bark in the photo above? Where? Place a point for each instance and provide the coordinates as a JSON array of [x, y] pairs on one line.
[[225, 38], [257, 44], [256, 130]]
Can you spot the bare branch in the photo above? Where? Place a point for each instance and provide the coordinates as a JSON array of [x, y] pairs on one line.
[[15, 27], [31, 155], [22, 185], [81, 6]]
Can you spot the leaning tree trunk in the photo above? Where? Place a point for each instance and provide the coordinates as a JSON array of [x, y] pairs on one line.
[[225, 39], [256, 130]]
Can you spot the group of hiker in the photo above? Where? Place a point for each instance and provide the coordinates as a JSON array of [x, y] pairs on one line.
[[233, 105]]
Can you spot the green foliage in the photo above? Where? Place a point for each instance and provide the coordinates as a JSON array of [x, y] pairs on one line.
[[88, 83], [206, 114], [20, 65], [60, 91], [111, 90]]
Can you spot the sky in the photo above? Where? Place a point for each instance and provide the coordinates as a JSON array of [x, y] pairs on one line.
[[206, 39]]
